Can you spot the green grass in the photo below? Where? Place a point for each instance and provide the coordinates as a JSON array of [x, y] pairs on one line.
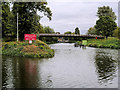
[[24, 49], [113, 43]]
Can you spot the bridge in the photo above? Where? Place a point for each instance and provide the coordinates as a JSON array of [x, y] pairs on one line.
[[71, 35]]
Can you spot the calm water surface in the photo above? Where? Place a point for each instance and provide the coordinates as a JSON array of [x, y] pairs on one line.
[[71, 67]]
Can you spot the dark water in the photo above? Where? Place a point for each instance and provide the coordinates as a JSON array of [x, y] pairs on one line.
[[71, 67]]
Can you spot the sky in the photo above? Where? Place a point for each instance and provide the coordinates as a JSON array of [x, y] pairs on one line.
[[69, 14]]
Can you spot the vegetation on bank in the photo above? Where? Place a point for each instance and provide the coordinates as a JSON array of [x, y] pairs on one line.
[[112, 43], [105, 25], [38, 49]]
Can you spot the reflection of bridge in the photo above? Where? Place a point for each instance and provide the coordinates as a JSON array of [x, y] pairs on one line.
[[70, 35]]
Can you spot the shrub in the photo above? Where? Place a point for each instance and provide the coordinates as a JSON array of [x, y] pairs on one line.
[[24, 49], [113, 43]]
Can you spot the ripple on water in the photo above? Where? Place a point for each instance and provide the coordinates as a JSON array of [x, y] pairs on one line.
[[71, 67]]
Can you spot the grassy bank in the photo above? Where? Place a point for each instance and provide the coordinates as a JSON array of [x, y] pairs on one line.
[[24, 49], [113, 43]]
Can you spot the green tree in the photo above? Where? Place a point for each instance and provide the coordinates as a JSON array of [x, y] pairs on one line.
[[47, 29], [68, 38], [77, 31], [6, 21], [28, 17], [106, 11], [105, 26], [57, 32], [39, 29], [68, 32], [117, 32], [92, 31]]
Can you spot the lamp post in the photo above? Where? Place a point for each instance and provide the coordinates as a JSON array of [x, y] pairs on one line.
[[17, 27]]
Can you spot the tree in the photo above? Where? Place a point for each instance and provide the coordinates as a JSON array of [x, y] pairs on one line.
[[117, 32], [57, 32], [106, 11], [77, 31], [28, 17], [68, 38], [47, 29], [105, 26], [68, 32], [6, 21], [92, 31]]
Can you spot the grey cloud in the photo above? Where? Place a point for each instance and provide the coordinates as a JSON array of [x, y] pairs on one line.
[[67, 16]]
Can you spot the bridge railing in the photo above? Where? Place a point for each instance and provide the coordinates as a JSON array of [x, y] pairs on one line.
[[70, 35]]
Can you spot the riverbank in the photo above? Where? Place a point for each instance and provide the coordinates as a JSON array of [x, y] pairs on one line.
[[37, 49], [112, 43]]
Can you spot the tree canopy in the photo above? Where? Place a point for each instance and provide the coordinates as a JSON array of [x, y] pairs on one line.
[[47, 29], [106, 11], [77, 31], [28, 17], [7, 27], [92, 31], [68, 32], [105, 26], [117, 32]]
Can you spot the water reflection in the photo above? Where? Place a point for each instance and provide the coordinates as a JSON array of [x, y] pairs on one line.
[[71, 67], [19, 72], [106, 65]]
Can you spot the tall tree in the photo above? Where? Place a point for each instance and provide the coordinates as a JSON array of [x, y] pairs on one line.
[[105, 26], [106, 11], [28, 17], [6, 20], [77, 31]]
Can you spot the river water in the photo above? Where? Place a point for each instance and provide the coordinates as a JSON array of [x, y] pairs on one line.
[[71, 67]]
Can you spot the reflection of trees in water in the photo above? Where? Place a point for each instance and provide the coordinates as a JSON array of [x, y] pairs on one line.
[[7, 75], [23, 73], [20, 73], [106, 66]]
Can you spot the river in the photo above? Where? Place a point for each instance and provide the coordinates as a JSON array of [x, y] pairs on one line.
[[71, 67]]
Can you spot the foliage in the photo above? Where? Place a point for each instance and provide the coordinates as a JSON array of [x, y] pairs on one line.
[[105, 26], [106, 11], [24, 49], [57, 32], [7, 27], [77, 31], [113, 43], [117, 32], [49, 30], [92, 31], [27, 16], [68, 38], [68, 32]]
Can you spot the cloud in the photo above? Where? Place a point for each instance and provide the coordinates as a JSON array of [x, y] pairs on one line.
[[69, 15], [83, 0]]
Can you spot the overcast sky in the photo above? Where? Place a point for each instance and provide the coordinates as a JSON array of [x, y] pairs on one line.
[[69, 14]]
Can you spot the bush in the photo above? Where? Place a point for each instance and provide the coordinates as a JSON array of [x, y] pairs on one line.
[[112, 43], [24, 49]]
